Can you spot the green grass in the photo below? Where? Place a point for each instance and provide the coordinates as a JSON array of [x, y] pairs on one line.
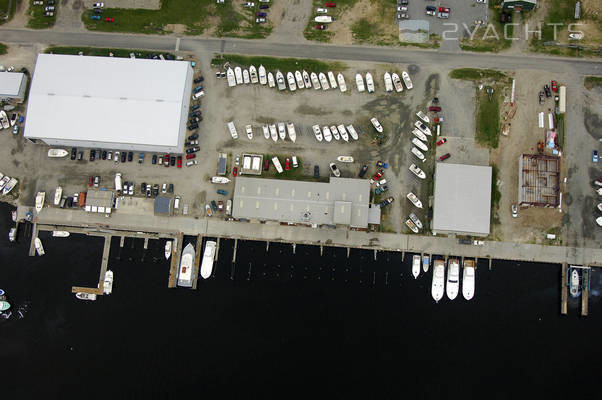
[[4, 11], [311, 33], [100, 51], [37, 20], [592, 81], [560, 129], [559, 11], [3, 49], [474, 74], [492, 44], [488, 118], [282, 64], [496, 195], [363, 30], [295, 174]]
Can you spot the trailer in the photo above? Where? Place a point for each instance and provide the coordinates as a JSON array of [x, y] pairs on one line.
[[562, 99], [277, 164]]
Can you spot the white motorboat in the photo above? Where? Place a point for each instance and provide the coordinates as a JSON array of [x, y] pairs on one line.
[[352, 132], [10, 186], [599, 221], [290, 77], [414, 199], [438, 284], [271, 80], [4, 181], [108, 282], [574, 283], [60, 234], [306, 80], [249, 131], [332, 80], [208, 257], [315, 81], [4, 122], [420, 144], [327, 133], [388, 82], [238, 75], [342, 84], [232, 130], [416, 221], [186, 265], [57, 153], [12, 234], [220, 179], [423, 117], [168, 245], [397, 83], [376, 125], [245, 76], [335, 132], [343, 132], [292, 134], [323, 81], [85, 296], [299, 79], [425, 129], [418, 154], [266, 132], [426, 260], [253, 74], [369, 82], [359, 82], [411, 225], [58, 193], [281, 131], [406, 80], [273, 132], [40, 201], [417, 171], [317, 132], [599, 205], [468, 279], [262, 75], [346, 159], [280, 81], [230, 77], [39, 247], [416, 266], [453, 278], [418, 133]]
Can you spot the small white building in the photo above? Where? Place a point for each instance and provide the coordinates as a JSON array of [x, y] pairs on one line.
[[13, 86]]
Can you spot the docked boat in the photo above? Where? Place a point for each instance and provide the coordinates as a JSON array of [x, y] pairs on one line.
[[335, 132], [376, 125], [315, 81], [208, 210], [406, 80], [299, 79], [4, 181], [423, 117], [168, 245], [4, 305], [416, 221], [388, 82], [416, 266], [352, 132], [280, 81], [574, 283], [220, 179], [60, 234], [327, 133], [414, 199], [359, 82], [281, 131], [249, 131], [346, 159], [323, 81], [425, 129], [266, 132], [453, 278], [186, 265], [426, 260], [411, 225], [317, 132], [342, 84], [208, 257], [57, 153], [10, 186], [420, 144], [273, 132], [230, 77], [343, 132], [232, 130], [290, 77], [290, 130], [40, 201], [39, 247], [107, 287], [369, 82], [271, 80], [85, 296], [58, 193], [332, 80], [306, 80], [238, 75], [417, 171], [468, 279], [253, 74], [438, 283], [262, 75], [4, 122], [418, 133], [418, 154], [245, 76], [12, 235], [397, 83]]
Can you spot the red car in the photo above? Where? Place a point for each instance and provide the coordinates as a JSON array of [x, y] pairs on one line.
[[287, 164], [444, 157], [554, 86], [90, 182], [166, 160], [179, 161], [321, 27], [444, 9], [190, 156], [378, 175], [329, 4], [234, 171], [434, 108], [266, 165], [440, 142], [109, 19]]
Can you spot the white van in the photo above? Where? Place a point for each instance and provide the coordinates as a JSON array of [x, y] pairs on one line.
[[176, 203], [118, 182], [198, 94], [295, 164]]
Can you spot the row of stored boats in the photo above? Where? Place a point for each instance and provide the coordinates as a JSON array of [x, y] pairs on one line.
[[7, 184], [304, 80], [452, 286]]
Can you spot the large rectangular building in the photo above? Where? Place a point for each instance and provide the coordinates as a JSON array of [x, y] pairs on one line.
[[342, 201], [109, 103]]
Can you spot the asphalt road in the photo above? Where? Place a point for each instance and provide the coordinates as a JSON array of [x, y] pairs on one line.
[[323, 51]]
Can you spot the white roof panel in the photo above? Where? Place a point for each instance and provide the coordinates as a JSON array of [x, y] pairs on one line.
[[10, 83]]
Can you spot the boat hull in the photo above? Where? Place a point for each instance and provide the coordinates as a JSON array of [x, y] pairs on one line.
[[453, 279], [416, 266]]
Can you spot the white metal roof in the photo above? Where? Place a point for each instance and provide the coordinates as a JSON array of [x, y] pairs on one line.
[[107, 99], [10, 83]]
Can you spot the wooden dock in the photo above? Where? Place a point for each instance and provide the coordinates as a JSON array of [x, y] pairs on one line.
[[197, 259], [34, 235], [175, 260], [564, 290], [585, 291], [99, 290]]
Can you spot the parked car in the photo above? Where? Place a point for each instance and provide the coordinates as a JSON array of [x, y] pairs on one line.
[[595, 156], [546, 88], [109, 19], [191, 163], [442, 141], [377, 177], [381, 189], [123, 156], [363, 171], [222, 192], [434, 108], [156, 189], [287, 164], [179, 162], [316, 171], [164, 188], [96, 17], [193, 127], [320, 27], [190, 156], [554, 86], [104, 155], [213, 205], [191, 143], [110, 155], [90, 181], [249, 4], [261, 14], [193, 136], [322, 10], [260, 20], [514, 210], [192, 150], [266, 165], [334, 169], [264, 6], [444, 157], [73, 153], [199, 79], [92, 155], [542, 95], [381, 164], [98, 5], [330, 4], [234, 171], [130, 156], [172, 161], [386, 202], [154, 159]]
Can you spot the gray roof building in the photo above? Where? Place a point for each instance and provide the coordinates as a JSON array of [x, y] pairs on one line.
[[162, 205], [13, 86], [462, 202], [342, 201], [99, 200]]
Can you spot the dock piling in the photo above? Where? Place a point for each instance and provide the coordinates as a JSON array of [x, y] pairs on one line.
[[145, 243], [348, 251], [563, 290], [122, 241], [294, 247], [34, 235], [217, 250], [321, 250], [585, 291], [197, 258], [375, 253], [267, 246], [490, 261], [235, 248]]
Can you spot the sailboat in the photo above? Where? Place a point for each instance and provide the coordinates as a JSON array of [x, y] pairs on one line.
[[416, 266], [262, 76]]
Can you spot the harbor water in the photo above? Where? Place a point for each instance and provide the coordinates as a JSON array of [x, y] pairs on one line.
[[278, 324]]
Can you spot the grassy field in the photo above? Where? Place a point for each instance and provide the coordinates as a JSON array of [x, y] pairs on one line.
[[283, 64], [37, 20], [559, 11], [496, 196], [474, 74], [311, 33], [3, 49], [490, 44], [100, 51], [292, 174], [488, 118], [592, 81]]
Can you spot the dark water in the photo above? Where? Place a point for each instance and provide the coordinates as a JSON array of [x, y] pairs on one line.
[[285, 326]]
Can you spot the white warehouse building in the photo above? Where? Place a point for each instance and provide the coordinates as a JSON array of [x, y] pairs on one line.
[[109, 103]]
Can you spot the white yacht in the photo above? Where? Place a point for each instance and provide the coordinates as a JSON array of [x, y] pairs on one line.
[[266, 132], [253, 74], [4, 181], [271, 80], [418, 133], [306, 80], [280, 81], [376, 125], [420, 144], [414, 199], [332, 80], [57, 153], [186, 265], [292, 134], [292, 85], [273, 132], [342, 84], [39, 248], [352, 132], [468, 279], [58, 193], [327, 134], [323, 81], [238, 75], [220, 179], [40, 201], [345, 159], [10, 186], [416, 266], [208, 257], [416, 221], [245, 76], [315, 81], [85, 296], [281, 131], [262, 75], [230, 77], [438, 284], [418, 154], [299, 79], [317, 132], [417, 171], [397, 83], [426, 260], [410, 224], [369, 82], [60, 234], [406, 80], [249, 131], [108, 282], [168, 245], [388, 82], [343, 132], [453, 278], [335, 132], [425, 129], [574, 287], [359, 81], [423, 117]]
